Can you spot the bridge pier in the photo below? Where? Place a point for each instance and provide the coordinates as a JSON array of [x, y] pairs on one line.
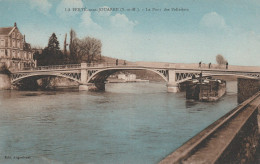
[[92, 87], [172, 85], [84, 73], [83, 87]]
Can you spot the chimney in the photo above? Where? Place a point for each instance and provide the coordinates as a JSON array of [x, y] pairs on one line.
[[14, 24]]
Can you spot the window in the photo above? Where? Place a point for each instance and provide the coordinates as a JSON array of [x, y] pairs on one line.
[[13, 43], [18, 43], [2, 53], [18, 35], [2, 43], [13, 54], [13, 34]]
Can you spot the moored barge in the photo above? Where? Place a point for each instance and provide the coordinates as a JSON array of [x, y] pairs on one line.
[[205, 89]]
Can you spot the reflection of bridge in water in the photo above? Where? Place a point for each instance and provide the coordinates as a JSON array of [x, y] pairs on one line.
[[93, 77]]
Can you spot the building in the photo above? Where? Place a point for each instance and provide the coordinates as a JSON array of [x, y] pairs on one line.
[[127, 77], [15, 53]]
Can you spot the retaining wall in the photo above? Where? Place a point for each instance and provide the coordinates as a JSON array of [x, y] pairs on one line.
[[231, 139], [246, 88]]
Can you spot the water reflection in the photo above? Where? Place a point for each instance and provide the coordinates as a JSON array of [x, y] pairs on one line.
[[190, 103]]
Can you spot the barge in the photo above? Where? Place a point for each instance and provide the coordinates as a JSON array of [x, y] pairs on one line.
[[205, 89]]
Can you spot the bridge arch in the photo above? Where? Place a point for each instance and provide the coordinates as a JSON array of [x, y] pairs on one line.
[[16, 78], [100, 76]]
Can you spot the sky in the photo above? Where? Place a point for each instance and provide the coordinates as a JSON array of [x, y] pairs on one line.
[[177, 31]]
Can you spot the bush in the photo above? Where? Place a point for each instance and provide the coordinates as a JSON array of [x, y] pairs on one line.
[[4, 70], [220, 60]]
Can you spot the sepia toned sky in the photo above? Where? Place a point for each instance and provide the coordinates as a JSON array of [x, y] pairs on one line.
[[179, 31]]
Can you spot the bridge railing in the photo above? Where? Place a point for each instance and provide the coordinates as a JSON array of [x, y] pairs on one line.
[[69, 66], [112, 64], [51, 67]]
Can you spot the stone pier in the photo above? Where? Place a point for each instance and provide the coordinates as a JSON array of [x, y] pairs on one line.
[[92, 87], [172, 85]]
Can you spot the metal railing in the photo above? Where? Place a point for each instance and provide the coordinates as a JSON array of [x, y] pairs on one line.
[[52, 67], [72, 66]]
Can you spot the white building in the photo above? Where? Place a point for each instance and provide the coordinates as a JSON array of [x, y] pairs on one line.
[[128, 77]]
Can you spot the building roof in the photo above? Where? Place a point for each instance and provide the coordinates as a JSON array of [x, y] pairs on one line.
[[5, 30]]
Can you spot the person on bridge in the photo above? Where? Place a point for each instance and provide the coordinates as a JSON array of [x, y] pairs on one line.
[[200, 78], [116, 61], [200, 64], [209, 65], [226, 65]]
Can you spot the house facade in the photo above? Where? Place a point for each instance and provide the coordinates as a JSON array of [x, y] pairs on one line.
[[15, 53]]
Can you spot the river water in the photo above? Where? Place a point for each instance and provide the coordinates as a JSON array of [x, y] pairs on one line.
[[129, 123]]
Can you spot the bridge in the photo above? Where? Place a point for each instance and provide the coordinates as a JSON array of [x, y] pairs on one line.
[[93, 76]]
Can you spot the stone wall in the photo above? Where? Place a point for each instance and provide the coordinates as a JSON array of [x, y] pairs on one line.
[[246, 88], [243, 147], [233, 138], [5, 82]]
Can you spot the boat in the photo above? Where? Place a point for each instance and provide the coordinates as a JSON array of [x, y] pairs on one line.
[[205, 89]]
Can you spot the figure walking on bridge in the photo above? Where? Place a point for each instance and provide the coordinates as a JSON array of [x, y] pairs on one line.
[[226, 65], [116, 61], [209, 65], [200, 64], [200, 77]]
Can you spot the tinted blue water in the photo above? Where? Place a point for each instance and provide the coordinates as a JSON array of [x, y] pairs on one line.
[[129, 123]]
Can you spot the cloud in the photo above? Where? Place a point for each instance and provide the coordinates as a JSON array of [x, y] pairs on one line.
[[120, 22], [43, 6], [68, 5], [104, 20], [213, 20], [87, 22]]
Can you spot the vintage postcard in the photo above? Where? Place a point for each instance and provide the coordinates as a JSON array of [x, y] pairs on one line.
[[133, 81]]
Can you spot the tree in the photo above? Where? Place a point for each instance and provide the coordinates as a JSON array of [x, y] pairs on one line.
[[72, 46], [65, 45], [53, 44], [4, 70], [89, 49], [51, 55], [220, 59]]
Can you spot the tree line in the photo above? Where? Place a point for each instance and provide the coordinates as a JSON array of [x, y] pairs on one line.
[[80, 50]]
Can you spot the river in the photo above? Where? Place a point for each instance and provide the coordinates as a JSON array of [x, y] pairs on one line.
[[129, 123]]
